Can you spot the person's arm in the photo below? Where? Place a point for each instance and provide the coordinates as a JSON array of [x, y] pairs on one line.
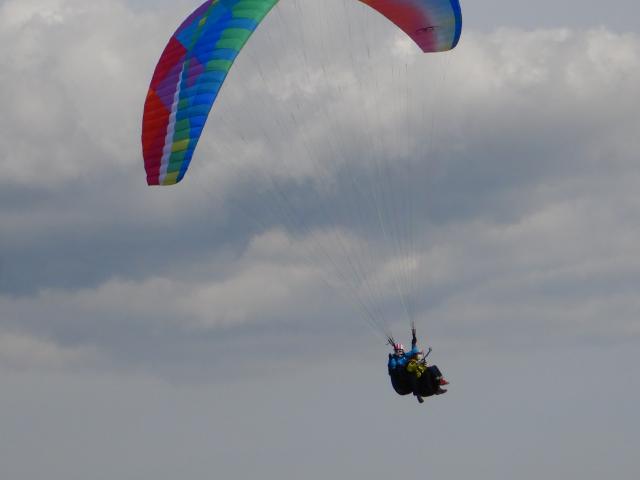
[[393, 363], [414, 339], [413, 352]]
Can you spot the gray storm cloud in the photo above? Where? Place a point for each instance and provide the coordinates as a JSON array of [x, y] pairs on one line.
[[528, 197]]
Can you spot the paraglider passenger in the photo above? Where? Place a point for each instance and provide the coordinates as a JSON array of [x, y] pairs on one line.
[[414, 364], [399, 359]]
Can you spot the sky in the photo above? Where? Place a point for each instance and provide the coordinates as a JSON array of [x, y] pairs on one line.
[[223, 327]]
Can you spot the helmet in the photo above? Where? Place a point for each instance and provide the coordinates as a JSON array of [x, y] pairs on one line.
[[398, 347]]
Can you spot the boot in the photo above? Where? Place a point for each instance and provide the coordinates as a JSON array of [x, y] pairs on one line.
[[440, 391]]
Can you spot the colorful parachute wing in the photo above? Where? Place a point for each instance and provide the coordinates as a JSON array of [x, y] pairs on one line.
[[187, 81], [435, 25], [197, 59]]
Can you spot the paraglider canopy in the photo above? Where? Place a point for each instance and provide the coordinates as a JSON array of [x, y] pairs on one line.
[[435, 25], [198, 57]]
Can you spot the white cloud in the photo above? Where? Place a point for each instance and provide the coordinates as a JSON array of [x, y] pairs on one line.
[[17, 14], [23, 351], [72, 86], [530, 187]]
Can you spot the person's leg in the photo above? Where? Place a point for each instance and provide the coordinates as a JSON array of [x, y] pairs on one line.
[[435, 371], [415, 386]]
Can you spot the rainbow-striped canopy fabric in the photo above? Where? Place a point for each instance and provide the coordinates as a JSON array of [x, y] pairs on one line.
[[435, 25], [198, 57]]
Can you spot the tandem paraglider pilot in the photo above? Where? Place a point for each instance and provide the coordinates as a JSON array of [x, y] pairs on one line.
[[410, 373]]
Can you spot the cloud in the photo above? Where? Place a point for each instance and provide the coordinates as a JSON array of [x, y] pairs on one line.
[[27, 352], [508, 167]]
